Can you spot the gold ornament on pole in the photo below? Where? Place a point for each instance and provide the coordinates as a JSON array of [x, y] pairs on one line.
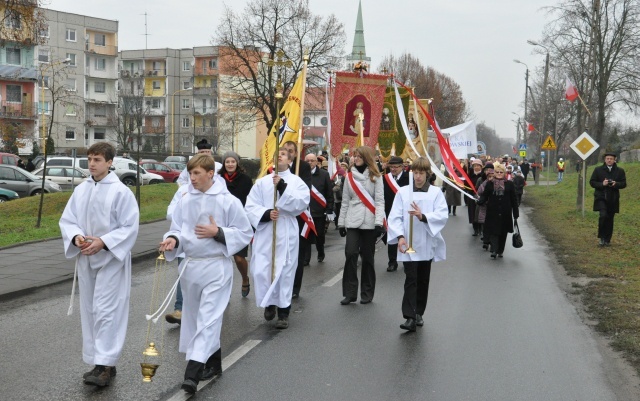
[[153, 355]]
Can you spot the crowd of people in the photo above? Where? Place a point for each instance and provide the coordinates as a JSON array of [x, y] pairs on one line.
[[219, 211]]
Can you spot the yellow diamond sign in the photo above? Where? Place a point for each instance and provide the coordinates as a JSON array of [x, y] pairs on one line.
[[584, 146]]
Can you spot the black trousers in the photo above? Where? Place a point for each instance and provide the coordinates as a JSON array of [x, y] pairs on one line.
[[392, 251], [498, 242], [320, 223], [336, 208], [297, 281], [416, 288], [194, 367], [605, 224], [359, 243]]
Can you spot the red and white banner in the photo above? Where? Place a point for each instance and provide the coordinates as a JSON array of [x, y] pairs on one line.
[[571, 92], [392, 182], [309, 225], [315, 194]]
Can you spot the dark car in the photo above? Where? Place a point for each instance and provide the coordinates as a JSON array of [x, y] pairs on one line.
[[7, 195], [167, 173]]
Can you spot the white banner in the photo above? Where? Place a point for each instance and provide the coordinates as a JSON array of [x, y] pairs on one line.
[[463, 139]]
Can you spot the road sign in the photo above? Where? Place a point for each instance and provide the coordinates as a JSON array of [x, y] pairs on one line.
[[548, 144], [523, 153], [584, 146], [542, 154], [522, 146]]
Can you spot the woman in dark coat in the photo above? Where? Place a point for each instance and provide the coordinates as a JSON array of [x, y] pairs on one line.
[[239, 184], [474, 174], [500, 197]]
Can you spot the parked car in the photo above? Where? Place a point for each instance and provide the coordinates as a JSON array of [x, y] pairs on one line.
[[181, 159], [65, 161], [64, 176], [9, 158], [169, 174], [126, 170], [176, 165], [6, 195], [23, 182]]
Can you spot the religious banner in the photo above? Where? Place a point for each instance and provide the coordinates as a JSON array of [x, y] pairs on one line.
[[463, 139], [417, 124], [356, 94], [391, 138]]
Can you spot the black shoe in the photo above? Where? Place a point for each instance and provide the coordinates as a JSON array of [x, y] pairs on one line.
[[92, 372], [602, 242], [475, 234], [409, 325], [102, 376], [347, 301], [209, 373], [190, 386], [485, 246], [365, 301], [392, 267], [607, 243], [295, 296], [493, 255], [500, 255], [419, 321], [282, 323], [321, 258], [269, 313], [306, 264]]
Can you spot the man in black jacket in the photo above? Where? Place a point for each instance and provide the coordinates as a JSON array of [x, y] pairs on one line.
[[392, 182], [321, 205], [607, 180], [305, 174]]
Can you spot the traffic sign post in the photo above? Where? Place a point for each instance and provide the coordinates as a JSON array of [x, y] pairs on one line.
[[584, 146], [548, 144]]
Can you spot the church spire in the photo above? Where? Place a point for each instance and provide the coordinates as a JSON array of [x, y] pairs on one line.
[[358, 53]]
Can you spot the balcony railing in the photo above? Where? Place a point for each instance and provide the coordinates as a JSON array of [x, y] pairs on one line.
[[19, 110], [205, 91], [205, 131], [205, 110], [155, 72], [132, 74], [106, 50], [150, 129]]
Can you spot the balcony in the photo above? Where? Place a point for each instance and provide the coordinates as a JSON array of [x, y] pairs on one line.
[[205, 91], [105, 50], [205, 110], [20, 111], [150, 129], [162, 72], [132, 74], [128, 92], [205, 131]]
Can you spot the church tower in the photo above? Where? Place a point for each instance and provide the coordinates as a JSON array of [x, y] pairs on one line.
[[358, 53]]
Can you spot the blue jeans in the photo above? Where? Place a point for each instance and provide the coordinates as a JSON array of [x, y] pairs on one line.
[[560, 175], [178, 304]]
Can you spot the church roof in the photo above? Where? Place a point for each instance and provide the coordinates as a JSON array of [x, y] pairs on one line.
[[359, 51]]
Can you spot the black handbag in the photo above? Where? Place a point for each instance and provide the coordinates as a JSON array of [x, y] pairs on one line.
[[516, 240]]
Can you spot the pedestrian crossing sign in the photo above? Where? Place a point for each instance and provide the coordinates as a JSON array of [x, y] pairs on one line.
[[548, 144]]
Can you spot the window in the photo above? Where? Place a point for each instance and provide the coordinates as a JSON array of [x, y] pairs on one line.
[[186, 122], [70, 110], [214, 121], [99, 87], [213, 64], [101, 64], [71, 35], [88, 63], [71, 84], [155, 104], [12, 19], [70, 134], [43, 32], [185, 141], [306, 120], [99, 134], [72, 59], [186, 66], [155, 122], [323, 121], [186, 85], [186, 103], [157, 65], [156, 85], [100, 111], [43, 80], [47, 107], [13, 56], [14, 93], [55, 172], [75, 173], [100, 39], [7, 173], [43, 55]]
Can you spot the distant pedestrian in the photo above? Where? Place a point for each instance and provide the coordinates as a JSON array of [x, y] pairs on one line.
[[474, 174], [607, 180], [519, 184], [30, 166], [560, 168], [99, 227], [21, 164], [525, 166], [578, 165]]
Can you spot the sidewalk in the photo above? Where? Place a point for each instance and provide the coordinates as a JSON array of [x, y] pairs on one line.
[[38, 264]]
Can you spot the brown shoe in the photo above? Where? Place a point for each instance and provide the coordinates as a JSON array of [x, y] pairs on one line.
[[175, 317], [102, 376]]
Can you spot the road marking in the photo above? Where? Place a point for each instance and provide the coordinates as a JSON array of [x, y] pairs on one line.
[[334, 280], [226, 364]]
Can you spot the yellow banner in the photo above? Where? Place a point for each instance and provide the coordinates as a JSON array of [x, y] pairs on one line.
[[289, 123]]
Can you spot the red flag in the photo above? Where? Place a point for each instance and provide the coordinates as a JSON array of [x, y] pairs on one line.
[[571, 93], [515, 151], [530, 127]]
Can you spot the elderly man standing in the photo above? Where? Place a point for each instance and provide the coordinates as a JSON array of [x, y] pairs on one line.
[[321, 205], [607, 180]]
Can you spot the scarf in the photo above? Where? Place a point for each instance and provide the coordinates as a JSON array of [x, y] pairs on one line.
[[498, 186], [360, 168], [231, 177]]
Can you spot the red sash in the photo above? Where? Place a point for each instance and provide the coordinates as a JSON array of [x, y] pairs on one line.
[[393, 184], [363, 195], [309, 225], [315, 194]]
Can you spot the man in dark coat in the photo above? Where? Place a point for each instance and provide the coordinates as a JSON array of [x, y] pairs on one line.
[[607, 180], [524, 167], [321, 205], [305, 175], [392, 181]]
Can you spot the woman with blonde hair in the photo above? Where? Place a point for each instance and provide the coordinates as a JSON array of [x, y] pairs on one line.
[[361, 221]]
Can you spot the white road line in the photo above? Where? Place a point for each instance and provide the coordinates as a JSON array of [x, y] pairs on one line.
[[227, 362], [334, 280]]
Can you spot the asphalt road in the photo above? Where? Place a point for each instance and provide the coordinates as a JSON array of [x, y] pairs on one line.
[[494, 330]]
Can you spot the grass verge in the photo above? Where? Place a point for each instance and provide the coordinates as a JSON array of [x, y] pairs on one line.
[[613, 298], [18, 218]]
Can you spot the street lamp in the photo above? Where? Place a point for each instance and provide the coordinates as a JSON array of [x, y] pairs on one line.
[[173, 117], [544, 96], [526, 89]]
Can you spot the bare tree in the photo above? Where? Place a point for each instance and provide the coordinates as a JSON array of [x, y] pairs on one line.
[[451, 108], [249, 38], [21, 21], [597, 42]]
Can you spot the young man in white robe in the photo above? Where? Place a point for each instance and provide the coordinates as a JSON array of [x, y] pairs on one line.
[[209, 225], [293, 199], [99, 227], [426, 205]]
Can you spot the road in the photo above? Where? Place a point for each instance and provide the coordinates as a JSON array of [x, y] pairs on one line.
[[494, 330]]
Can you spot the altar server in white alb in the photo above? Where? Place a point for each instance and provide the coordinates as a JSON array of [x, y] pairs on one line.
[[209, 225], [99, 227], [293, 199], [426, 205]]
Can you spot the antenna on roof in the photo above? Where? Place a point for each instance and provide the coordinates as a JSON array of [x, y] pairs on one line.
[[146, 35]]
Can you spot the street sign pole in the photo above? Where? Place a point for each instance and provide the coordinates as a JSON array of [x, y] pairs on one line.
[[584, 183], [584, 146]]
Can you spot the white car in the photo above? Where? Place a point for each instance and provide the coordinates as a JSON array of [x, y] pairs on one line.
[[64, 176], [127, 167]]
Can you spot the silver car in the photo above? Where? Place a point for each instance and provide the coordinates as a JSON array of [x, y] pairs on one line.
[[64, 176], [23, 182]]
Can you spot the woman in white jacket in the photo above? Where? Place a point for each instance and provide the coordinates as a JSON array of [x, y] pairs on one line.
[[361, 221]]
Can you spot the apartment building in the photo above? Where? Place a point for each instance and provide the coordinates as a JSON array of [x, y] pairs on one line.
[[79, 54]]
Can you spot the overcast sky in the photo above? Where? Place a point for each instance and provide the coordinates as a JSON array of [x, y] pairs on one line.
[[474, 42]]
